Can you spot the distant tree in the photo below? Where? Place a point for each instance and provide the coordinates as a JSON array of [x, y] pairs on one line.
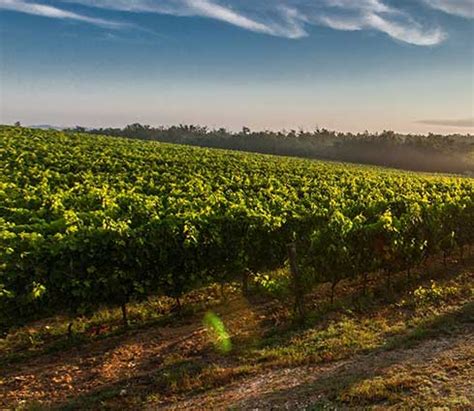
[[432, 152], [17, 124]]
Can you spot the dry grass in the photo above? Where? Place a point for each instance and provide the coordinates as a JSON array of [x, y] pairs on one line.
[[411, 348]]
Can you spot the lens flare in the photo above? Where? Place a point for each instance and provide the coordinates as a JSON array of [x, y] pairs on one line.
[[217, 332]]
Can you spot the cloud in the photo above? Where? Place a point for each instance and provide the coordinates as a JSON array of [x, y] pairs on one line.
[[375, 15], [375, 6], [207, 9], [409, 34], [463, 8], [54, 12], [290, 18], [284, 18], [465, 122], [285, 21]]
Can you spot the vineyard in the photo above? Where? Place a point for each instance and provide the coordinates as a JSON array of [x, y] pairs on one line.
[[88, 221]]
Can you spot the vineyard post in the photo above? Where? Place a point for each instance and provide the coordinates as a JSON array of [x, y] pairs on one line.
[[298, 289], [69, 329], [388, 273], [365, 278], [245, 282], [123, 307]]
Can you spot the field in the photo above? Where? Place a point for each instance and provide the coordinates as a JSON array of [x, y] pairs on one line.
[[121, 247]]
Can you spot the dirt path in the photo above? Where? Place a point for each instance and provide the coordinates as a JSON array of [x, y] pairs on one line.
[[121, 360], [428, 367], [75, 372], [54, 379], [175, 367]]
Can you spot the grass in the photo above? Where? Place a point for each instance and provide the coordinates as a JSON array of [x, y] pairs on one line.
[[422, 378], [51, 335], [166, 358], [380, 389]]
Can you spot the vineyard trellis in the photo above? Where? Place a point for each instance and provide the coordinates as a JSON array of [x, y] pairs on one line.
[[90, 220]]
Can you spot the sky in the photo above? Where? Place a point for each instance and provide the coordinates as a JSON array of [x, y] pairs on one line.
[[346, 65]]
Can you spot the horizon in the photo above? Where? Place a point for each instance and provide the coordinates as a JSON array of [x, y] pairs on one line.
[[294, 64], [461, 133]]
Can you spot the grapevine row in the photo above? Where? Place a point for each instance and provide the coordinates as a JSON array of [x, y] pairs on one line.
[[89, 220]]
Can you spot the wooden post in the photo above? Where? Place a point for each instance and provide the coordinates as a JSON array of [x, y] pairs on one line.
[[298, 290], [364, 283], [245, 282], [69, 329], [223, 293], [124, 315], [388, 273]]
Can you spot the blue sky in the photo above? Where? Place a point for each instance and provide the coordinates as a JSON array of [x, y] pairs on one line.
[[352, 65]]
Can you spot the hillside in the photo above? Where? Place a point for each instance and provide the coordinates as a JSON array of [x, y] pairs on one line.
[[430, 153], [411, 348], [137, 274]]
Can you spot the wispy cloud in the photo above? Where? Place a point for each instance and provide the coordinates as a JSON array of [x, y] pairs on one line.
[[376, 15], [207, 9], [408, 33], [283, 18], [463, 8], [291, 18], [55, 13], [465, 122]]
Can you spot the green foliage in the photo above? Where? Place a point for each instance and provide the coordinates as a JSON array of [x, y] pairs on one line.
[[88, 220], [435, 153], [276, 284], [433, 295]]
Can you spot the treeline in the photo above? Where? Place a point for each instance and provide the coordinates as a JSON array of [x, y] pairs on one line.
[[431, 153]]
